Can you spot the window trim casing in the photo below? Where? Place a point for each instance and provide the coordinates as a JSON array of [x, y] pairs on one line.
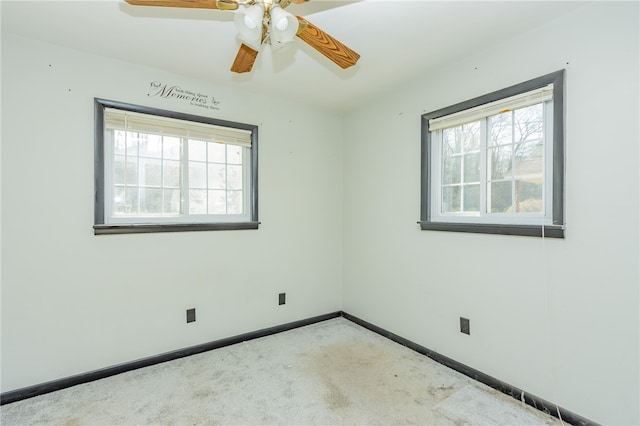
[[557, 228], [101, 227]]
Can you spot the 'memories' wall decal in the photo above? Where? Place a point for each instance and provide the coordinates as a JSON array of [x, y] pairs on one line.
[[158, 89]]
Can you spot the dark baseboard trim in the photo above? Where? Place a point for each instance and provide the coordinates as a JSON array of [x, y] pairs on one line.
[[67, 382], [519, 394]]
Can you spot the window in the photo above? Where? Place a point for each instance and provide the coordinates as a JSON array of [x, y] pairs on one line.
[[495, 164], [159, 171]]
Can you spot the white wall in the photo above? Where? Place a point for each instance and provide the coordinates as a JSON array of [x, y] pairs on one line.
[[74, 302], [557, 318]]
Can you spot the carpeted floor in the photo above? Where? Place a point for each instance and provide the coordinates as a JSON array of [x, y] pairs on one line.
[[331, 373]]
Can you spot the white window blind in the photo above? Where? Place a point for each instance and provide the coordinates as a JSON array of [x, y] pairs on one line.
[[470, 115], [137, 122]]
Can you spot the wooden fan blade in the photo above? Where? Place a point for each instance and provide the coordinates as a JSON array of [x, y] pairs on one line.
[[340, 54], [244, 59], [198, 4]]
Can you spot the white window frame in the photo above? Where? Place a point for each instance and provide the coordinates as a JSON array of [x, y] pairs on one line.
[[106, 222], [550, 222], [484, 216]]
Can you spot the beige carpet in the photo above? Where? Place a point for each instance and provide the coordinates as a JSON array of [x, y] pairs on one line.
[[330, 373]]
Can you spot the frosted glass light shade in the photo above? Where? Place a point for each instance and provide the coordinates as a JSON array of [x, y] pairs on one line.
[[284, 25], [249, 24]]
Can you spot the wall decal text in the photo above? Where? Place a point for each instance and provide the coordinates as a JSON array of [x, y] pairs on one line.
[[198, 99]]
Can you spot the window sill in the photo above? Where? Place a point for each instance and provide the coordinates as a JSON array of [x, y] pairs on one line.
[[171, 227], [550, 231]]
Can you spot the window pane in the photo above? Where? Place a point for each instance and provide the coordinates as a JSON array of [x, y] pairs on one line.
[[234, 154], [217, 202], [197, 175], [125, 170], [234, 202], [470, 136], [529, 159], [529, 195], [150, 201], [172, 174], [171, 148], [528, 124], [216, 152], [119, 142], [171, 201], [500, 196], [234, 177], [451, 170], [119, 170], [131, 142], [217, 176], [472, 167], [150, 145], [120, 201], [150, 172], [197, 150], [450, 199], [499, 162], [197, 201], [131, 195], [450, 143], [471, 198], [132, 171], [500, 129]]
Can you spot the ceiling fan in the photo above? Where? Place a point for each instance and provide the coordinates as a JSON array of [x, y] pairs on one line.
[[262, 21]]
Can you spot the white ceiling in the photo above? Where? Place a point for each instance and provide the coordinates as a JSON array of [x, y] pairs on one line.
[[397, 40]]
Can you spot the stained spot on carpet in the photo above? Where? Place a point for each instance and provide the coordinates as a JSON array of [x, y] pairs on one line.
[[202, 393], [72, 422], [335, 398], [368, 371], [442, 391]]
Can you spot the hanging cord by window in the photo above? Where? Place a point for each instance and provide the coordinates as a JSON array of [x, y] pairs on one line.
[[545, 278]]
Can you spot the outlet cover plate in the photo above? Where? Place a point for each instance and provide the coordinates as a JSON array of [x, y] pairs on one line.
[[191, 315], [464, 326]]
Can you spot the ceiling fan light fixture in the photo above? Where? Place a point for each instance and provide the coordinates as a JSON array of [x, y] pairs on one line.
[[260, 21], [284, 26], [249, 23]]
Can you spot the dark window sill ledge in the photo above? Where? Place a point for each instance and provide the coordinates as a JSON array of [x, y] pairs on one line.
[[547, 231], [171, 227]]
